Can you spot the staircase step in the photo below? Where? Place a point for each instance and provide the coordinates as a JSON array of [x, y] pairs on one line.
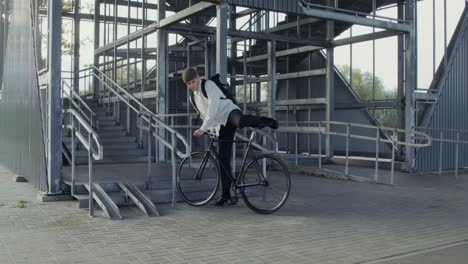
[[116, 152], [118, 140], [104, 117], [110, 128], [107, 123], [112, 160], [116, 133], [120, 199], [122, 146]]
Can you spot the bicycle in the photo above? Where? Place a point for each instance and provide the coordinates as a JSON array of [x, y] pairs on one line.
[[263, 180]]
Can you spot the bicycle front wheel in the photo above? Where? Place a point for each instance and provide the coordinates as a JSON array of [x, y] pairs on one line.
[[198, 179], [265, 184]]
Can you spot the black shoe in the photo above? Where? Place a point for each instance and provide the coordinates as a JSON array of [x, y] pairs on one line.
[[270, 122], [230, 201]]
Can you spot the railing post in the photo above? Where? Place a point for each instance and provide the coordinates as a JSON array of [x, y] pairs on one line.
[[173, 164], [90, 177], [457, 154], [189, 134], [296, 143], [394, 144], [233, 166], [72, 154], [108, 97], [441, 145], [156, 152], [128, 121], [148, 172], [347, 150], [377, 146], [320, 145]]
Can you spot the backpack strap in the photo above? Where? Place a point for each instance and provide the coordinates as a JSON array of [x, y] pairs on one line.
[[192, 101], [203, 88]]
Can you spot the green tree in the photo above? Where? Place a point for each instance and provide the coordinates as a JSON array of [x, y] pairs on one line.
[[362, 84]]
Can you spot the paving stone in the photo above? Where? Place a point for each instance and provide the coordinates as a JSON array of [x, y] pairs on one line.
[[325, 221]]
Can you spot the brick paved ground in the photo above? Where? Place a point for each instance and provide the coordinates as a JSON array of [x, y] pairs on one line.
[[325, 221]]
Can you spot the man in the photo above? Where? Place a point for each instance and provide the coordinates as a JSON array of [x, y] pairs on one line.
[[222, 115]]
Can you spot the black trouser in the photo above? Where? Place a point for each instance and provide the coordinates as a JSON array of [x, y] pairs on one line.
[[226, 135]]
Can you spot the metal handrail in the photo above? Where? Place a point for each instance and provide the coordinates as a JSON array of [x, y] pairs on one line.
[[133, 98], [88, 145], [145, 112], [71, 95], [320, 129], [321, 124], [152, 120], [441, 139]]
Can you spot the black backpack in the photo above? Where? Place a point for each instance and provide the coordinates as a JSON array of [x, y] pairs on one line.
[[224, 87]]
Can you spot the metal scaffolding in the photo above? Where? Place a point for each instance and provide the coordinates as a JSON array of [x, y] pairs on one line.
[[278, 57]]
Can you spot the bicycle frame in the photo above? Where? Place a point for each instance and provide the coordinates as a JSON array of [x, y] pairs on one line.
[[212, 151]]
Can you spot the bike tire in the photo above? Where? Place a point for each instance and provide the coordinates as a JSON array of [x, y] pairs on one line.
[[265, 195], [198, 192]]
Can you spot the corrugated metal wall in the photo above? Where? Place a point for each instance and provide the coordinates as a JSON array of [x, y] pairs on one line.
[[451, 109], [21, 129]]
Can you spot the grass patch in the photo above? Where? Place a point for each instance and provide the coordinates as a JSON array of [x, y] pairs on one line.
[[21, 203]]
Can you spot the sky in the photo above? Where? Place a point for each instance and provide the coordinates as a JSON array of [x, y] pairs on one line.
[[386, 49]]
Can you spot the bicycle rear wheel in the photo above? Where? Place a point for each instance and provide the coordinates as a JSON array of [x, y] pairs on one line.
[[265, 184], [198, 179]]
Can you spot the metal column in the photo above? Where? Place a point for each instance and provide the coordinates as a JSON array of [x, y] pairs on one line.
[[54, 144], [401, 78], [2, 37], [232, 26], [97, 11], [410, 82], [330, 84], [163, 97], [76, 46], [272, 74], [221, 39]]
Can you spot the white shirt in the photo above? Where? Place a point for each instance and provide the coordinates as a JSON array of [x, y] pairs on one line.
[[215, 109]]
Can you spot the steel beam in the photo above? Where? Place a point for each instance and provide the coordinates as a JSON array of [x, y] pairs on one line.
[[272, 82], [330, 84], [97, 18], [282, 53], [283, 76], [186, 13], [2, 38], [365, 37], [90, 17], [245, 12], [280, 38], [129, 3], [410, 82], [54, 144], [320, 104], [221, 40], [401, 77], [76, 46], [294, 24], [162, 87], [335, 16]]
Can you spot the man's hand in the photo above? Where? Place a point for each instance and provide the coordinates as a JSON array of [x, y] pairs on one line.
[[198, 133]]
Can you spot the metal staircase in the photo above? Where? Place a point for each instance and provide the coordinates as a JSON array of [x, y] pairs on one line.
[[120, 147], [120, 179]]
